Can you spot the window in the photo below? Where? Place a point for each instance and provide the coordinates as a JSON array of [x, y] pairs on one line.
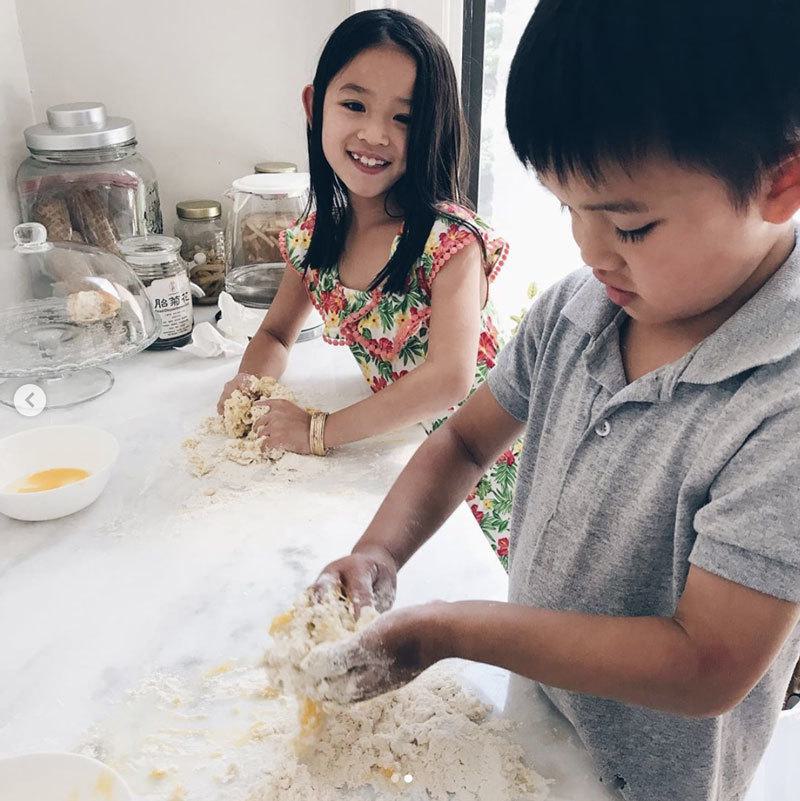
[[508, 196]]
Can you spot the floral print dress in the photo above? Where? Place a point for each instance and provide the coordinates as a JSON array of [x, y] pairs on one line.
[[387, 333]]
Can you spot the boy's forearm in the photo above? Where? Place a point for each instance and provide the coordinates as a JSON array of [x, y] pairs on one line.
[[438, 477], [648, 661]]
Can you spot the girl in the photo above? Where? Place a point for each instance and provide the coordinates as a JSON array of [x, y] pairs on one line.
[[399, 271]]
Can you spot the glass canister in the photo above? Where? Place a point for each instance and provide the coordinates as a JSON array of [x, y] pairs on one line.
[[201, 230], [157, 262], [66, 311], [263, 206], [85, 181]]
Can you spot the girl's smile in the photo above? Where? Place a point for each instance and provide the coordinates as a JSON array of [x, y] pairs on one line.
[[368, 163]]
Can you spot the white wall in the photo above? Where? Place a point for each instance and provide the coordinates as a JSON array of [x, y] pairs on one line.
[[213, 87], [16, 113]]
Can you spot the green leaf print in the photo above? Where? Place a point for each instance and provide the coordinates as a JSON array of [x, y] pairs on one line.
[[386, 313], [385, 369], [366, 333], [359, 353], [412, 350], [505, 475]]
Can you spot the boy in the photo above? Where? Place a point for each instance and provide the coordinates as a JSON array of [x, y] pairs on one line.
[[654, 586]]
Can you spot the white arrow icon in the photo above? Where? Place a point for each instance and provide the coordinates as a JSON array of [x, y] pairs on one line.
[[30, 400]]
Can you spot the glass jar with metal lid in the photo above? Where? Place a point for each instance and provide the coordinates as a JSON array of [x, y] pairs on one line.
[[85, 180], [157, 262], [202, 232], [263, 206]]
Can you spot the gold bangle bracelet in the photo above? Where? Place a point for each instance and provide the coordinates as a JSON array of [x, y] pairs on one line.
[[316, 433]]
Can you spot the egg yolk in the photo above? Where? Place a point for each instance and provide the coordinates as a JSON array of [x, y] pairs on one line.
[[50, 479]]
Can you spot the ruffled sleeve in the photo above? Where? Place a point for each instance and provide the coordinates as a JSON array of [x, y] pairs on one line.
[[451, 232], [294, 242]]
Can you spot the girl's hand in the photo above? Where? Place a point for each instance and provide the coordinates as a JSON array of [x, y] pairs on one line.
[[391, 652], [368, 577], [239, 381], [284, 426]]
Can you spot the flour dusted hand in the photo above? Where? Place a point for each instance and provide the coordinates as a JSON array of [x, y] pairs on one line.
[[388, 654], [368, 577]]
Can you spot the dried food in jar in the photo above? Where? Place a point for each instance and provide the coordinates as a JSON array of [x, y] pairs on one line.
[[260, 234], [93, 220], [53, 213]]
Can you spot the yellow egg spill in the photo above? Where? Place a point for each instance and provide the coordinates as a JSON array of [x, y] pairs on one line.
[[49, 479]]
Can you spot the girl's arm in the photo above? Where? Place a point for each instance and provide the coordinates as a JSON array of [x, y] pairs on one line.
[[444, 378], [441, 381], [268, 351]]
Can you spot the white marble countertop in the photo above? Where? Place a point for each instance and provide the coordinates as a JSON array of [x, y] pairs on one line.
[[158, 578]]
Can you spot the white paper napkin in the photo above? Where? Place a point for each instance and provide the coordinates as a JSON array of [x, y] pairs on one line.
[[229, 337]]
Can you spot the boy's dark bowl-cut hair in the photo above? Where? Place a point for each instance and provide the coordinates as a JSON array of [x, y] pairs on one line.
[[711, 84], [436, 146]]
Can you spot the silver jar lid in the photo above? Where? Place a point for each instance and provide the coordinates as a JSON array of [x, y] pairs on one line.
[[146, 251], [78, 126], [274, 167], [198, 209]]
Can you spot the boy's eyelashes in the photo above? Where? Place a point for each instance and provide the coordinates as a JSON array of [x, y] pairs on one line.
[[635, 234], [626, 234], [359, 108]]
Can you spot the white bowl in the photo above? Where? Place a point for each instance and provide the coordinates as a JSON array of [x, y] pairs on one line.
[[60, 777], [84, 447]]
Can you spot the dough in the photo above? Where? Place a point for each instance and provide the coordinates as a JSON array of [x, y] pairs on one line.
[[239, 414], [431, 739], [230, 437]]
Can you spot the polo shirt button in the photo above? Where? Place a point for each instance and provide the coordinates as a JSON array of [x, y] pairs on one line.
[[603, 428]]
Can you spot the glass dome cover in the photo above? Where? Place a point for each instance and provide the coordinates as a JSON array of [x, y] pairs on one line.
[[65, 309]]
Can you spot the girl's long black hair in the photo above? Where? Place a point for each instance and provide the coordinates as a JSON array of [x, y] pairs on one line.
[[436, 146]]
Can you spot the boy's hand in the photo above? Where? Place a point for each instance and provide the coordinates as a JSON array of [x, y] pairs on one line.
[[391, 652], [284, 426], [237, 382], [368, 577]]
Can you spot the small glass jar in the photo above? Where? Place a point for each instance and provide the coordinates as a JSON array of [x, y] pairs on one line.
[[263, 206], [85, 181], [200, 228], [157, 262]]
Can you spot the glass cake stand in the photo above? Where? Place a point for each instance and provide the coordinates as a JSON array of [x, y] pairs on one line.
[[67, 309]]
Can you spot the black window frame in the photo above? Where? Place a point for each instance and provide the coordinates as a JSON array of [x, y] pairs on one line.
[[472, 47]]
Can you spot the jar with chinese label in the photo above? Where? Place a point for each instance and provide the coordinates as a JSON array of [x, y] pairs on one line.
[[85, 181], [263, 206], [200, 228], [157, 262]]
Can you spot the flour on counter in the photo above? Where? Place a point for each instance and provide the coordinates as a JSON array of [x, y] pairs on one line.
[[430, 739], [224, 732]]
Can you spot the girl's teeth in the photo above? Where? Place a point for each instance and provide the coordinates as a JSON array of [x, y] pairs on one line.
[[368, 161]]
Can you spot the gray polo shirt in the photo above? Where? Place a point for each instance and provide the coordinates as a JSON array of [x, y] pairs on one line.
[[622, 486]]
